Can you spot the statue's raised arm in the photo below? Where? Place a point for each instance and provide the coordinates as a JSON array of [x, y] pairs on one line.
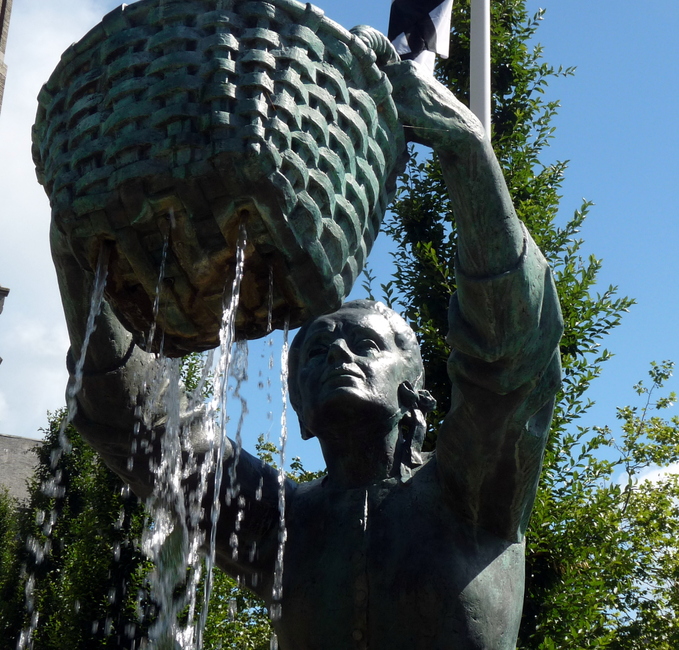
[[505, 321]]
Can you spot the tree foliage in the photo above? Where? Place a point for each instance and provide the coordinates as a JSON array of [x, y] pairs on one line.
[[236, 619], [602, 548], [11, 600], [81, 566]]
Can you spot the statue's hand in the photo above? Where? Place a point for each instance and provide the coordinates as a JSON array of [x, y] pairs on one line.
[[430, 113]]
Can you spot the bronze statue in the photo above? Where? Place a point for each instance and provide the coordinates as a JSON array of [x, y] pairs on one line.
[[394, 549]]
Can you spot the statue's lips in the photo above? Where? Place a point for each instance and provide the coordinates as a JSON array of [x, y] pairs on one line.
[[342, 376]]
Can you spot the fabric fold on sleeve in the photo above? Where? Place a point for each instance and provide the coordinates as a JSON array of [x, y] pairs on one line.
[[504, 329]]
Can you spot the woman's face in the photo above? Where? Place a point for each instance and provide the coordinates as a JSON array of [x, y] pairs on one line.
[[350, 362]]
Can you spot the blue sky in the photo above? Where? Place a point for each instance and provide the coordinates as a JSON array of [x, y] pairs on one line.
[[617, 127]]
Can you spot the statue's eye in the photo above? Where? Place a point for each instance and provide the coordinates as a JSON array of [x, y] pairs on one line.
[[317, 350], [367, 345]]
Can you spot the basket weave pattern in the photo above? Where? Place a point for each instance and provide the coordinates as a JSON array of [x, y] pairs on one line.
[[179, 119]]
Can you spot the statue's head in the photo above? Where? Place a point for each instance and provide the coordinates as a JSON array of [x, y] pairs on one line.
[[363, 358]]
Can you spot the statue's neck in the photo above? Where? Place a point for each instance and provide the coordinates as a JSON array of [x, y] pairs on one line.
[[355, 461]]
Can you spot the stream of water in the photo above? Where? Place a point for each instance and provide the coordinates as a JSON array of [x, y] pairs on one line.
[[53, 487], [174, 536], [275, 610], [217, 421]]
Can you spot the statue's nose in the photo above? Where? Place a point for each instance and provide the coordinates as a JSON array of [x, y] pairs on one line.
[[339, 351]]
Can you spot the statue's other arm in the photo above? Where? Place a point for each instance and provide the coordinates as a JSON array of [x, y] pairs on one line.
[[504, 321], [116, 373]]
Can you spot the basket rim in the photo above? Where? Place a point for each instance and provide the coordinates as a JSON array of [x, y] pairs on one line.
[[110, 25]]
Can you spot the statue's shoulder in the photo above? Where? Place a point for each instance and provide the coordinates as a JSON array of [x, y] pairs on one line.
[[308, 489], [425, 469]]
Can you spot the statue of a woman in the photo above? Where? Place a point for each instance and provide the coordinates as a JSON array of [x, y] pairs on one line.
[[393, 549]]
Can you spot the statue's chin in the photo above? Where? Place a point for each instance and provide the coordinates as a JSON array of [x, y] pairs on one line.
[[350, 412]]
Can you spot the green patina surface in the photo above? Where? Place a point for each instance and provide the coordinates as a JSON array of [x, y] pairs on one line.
[[183, 120]]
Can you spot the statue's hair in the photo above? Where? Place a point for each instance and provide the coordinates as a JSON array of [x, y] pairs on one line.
[[404, 338]]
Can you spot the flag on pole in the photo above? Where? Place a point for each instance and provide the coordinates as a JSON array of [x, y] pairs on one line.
[[420, 29]]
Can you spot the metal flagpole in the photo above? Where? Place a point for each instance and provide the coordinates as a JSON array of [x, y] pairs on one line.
[[479, 67], [5, 11]]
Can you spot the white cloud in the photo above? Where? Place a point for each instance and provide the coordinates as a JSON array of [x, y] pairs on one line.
[[33, 339], [656, 474], [653, 474], [33, 374]]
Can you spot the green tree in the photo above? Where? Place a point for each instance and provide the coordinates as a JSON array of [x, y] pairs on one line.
[[595, 572], [11, 597], [236, 620], [80, 551], [603, 545]]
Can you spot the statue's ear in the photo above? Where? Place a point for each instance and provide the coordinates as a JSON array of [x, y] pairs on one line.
[[407, 395]]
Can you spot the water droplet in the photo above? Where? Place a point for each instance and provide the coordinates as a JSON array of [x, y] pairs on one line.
[[233, 542], [269, 317], [275, 611]]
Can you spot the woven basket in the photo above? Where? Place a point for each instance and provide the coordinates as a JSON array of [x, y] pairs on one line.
[[178, 121]]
